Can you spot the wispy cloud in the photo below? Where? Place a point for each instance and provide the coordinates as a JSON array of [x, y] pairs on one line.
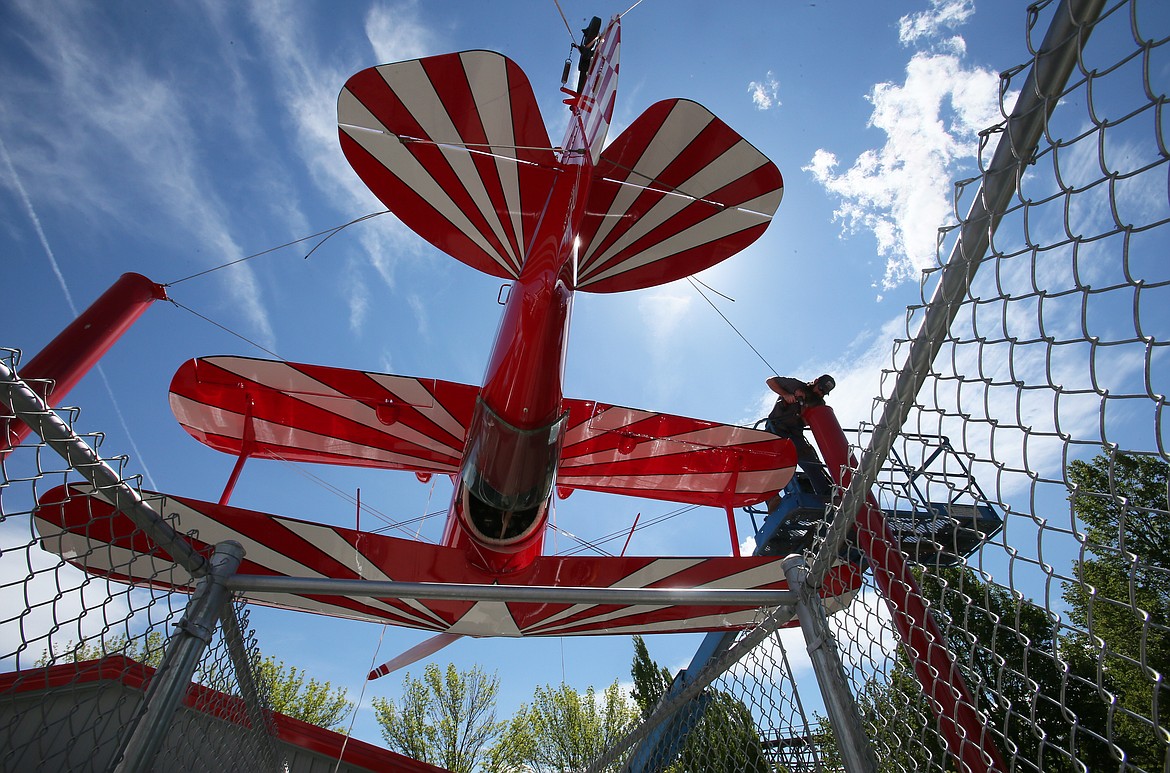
[[900, 192], [125, 149], [307, 87], [929, 25], [766, 93], [395, 33]]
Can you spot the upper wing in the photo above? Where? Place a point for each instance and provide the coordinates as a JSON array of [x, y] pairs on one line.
[[79, 523], [674, 458], [455, 146], [675, 193], [312, 413]]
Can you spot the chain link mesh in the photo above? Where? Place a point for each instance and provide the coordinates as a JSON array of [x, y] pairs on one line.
[[77, 651], [1029, 484]]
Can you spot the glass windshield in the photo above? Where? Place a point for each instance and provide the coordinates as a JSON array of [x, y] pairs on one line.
[[510, 471]]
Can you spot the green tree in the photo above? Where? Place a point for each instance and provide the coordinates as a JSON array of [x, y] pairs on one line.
[[147, 650], [650, 680], [447, 718], [562, 729], [1120, 605], [317, 703]]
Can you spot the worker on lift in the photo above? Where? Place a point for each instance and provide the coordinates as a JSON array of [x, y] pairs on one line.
[[787, 421]]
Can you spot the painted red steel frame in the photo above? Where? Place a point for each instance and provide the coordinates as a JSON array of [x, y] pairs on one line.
[[923, 642], [77, 348]]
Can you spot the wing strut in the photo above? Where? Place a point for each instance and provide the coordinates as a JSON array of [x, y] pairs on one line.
[[414, 654], [247, 443], [732, 483]]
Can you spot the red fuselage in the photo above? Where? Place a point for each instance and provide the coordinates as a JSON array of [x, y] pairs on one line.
[[506, 478], [504, 487]]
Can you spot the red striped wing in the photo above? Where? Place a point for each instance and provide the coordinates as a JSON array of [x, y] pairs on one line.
[[455, 146], [86, 528], [677, 192], [312, 413], [673, 458]]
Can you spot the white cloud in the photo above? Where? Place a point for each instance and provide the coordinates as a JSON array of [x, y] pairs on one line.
[[765, 93], [308, 87], [901, 192], [397, 34], [943, 14]]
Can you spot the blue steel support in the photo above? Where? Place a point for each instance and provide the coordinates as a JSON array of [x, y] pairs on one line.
[[664, 743]]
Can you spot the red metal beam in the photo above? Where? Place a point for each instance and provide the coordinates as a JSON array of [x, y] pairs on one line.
[[922, 640], [82, 343]]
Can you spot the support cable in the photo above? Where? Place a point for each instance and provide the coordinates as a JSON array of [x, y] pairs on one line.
[[328, 233]]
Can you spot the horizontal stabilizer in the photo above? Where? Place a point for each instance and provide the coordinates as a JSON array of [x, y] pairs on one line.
[[455, 146], [76, 522], [677, 192], [312, 413]]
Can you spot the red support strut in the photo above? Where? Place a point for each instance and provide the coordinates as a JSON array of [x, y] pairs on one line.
[[82, 343], [922, 640]]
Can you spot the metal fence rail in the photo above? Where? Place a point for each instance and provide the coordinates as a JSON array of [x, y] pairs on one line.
[[96, 675]]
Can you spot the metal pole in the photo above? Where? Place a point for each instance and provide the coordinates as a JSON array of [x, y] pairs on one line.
[[541, 594], [83, 342], [848, 731], [254, 704], [173, 677], [1046, 81], [30, 408]]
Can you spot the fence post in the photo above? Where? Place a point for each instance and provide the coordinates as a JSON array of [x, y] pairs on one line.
[[848, 732], [186, 647], [966, 739]]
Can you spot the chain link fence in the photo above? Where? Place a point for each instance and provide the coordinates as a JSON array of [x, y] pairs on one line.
[[1017, 457], [84, 658], [1009, 502]]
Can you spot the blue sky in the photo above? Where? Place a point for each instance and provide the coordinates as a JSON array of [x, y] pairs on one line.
[[170, 138]]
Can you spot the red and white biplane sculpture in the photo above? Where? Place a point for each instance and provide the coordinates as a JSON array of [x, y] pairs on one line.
[[455, 146]]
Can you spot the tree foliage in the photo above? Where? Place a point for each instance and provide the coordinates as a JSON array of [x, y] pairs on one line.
[[650, 680], [562, 729], [1120, 604], [317, 703], [147, 650], [725, 737], [446, 718], [1035, 680], [312, 701]]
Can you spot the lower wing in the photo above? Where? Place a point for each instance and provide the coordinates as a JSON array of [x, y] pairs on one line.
[[77, 523], [312, 413]]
